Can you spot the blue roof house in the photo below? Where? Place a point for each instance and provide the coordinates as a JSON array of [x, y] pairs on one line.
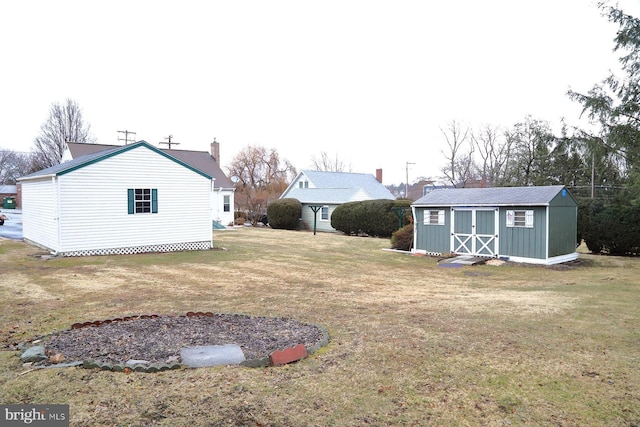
[[329, 190]]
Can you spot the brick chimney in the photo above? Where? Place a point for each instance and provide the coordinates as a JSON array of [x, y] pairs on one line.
[[215, 150], [379, 175]]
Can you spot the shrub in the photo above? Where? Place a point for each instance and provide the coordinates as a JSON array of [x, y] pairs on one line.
[[239, 218], [609, 228], [403, 239], [371, 217], [284, 214]]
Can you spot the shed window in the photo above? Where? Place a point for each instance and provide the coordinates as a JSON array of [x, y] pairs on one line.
[[325, 213], [434, 217], [522, 218], [142, 200]]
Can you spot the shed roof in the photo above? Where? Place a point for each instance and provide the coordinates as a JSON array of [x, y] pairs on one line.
[[497, 196], [96, 156], [8, 189], [200, 160]]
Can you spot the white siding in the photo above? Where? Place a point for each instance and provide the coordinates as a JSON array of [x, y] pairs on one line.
[[39, 212], [93, 203], [321, 225], [360, 196], [217, 203]]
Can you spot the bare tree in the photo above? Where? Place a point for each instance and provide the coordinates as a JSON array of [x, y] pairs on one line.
[[324, 163], [13, 165], [65, 124], [459, 167], [493, 151], [262, 177]]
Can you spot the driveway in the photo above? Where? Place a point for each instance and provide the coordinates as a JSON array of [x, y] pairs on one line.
[[12, 228]]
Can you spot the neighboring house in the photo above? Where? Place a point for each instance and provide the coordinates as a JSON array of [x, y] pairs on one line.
[[522, 224], [9, 191], [222, 189], [328, 190], [129, 199]]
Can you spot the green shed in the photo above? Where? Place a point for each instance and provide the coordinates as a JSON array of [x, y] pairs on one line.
[[521, 224]]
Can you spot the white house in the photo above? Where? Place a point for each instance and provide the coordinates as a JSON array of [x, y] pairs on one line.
[[128, 199], [222, 189], [328, 190]]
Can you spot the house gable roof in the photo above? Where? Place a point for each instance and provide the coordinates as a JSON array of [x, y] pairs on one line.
[[496, 196], [96, 156], [336, 187], [200, 160]]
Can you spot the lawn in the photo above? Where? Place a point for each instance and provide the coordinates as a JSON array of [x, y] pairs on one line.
[[411, 343]]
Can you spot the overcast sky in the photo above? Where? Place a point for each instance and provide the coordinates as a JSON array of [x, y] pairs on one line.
[[371, 82]]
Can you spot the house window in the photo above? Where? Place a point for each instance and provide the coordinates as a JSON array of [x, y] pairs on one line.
[[300, 184], [434, 217], [522, 218], [324, 215], [304, 184], [142, 200], [226, 204]]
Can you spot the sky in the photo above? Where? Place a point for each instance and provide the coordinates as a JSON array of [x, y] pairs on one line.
[[371, 83]]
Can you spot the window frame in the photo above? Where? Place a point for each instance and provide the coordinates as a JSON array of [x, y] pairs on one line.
[[519, 218], [226, 203], [433, 217], [324, 212], [142, 201]]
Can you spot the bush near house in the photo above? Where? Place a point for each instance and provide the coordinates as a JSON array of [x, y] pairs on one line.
[[610, 228], [371, 217], [284, 214], [240, 217], [403, 239]]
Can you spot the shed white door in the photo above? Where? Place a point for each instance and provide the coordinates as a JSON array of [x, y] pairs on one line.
[[473, 231]]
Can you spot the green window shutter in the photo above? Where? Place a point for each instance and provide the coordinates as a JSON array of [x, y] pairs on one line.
[[130, 201], [154, 200]]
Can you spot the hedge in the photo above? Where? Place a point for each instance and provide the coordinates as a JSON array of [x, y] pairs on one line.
[[371, 217], [284, 214], [609, 228]]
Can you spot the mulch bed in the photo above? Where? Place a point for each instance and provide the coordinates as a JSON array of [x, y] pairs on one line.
[[159, 339]]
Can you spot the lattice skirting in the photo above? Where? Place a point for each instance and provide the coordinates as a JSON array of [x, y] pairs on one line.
[[169, 247]]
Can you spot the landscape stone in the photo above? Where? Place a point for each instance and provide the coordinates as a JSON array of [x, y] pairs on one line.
[[212, 355], [33, 354], [65, 365], [131, 362]]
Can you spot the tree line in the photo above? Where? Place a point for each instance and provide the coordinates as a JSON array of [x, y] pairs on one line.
[[528, 153]]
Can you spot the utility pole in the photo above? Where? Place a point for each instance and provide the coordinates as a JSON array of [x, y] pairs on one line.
[[406, 189], [169, 142], [593, 175], [126, 136]]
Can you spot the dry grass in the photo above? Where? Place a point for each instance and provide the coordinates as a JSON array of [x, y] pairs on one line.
[[411, 343]]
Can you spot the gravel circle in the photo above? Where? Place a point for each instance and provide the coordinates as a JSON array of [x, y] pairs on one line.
[[159, 339]]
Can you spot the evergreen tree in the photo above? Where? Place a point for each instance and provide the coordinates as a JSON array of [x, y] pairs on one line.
[[614, 104]]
